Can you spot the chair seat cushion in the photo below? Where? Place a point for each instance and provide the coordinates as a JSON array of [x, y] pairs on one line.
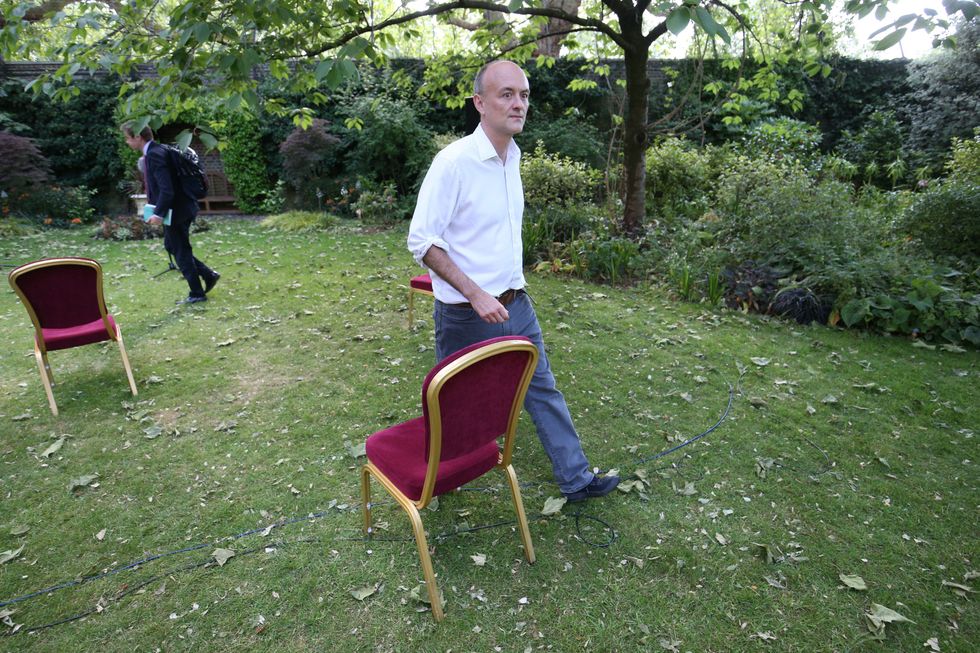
[[76, 336], [399, 452], [421, 282]]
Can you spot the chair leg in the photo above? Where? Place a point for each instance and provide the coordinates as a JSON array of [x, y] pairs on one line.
[[46, 378], [125, 360], [427, 572], [366, 499], [515, 492], [411, 306]]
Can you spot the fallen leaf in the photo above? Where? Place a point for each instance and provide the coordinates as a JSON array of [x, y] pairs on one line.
[[19, 529], [829, 399], [356, 450], [54, 447], [761, 362], [879, 616], [100, 535], [854, 582], [932, 644], [553, 505], [81, 482], [479, 559], [421, 594], [721, 539], [225, 343], [7, 556], [362, 593], [221, 556], [959, 589], [153, 431]]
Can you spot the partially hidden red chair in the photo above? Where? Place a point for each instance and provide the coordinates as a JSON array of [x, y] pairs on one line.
[[63, 297], [469, 401], [421, 285]]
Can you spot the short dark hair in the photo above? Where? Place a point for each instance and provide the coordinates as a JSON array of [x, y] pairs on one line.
[[146, 133]]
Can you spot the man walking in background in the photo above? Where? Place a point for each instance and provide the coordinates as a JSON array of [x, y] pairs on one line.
[[164, 192], [467, 230]]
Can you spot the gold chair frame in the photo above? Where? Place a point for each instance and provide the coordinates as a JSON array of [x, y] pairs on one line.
[[412, 291], [40, 350], [412, 507]]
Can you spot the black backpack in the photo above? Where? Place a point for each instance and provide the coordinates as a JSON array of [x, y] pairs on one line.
[[190, 174]]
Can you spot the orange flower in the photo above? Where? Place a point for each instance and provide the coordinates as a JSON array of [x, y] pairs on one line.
[[76, 221]]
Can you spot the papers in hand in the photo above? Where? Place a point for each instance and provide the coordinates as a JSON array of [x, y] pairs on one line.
[[148, 211]]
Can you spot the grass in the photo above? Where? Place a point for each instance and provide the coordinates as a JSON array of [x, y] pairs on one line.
[[248, 405]]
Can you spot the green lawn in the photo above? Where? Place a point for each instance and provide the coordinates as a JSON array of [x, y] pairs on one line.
[[843, 454]]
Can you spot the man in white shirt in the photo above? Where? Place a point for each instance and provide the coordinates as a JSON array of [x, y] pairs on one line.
[[467, 230]]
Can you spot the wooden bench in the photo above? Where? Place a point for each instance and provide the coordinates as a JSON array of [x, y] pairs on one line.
[[221, 195]]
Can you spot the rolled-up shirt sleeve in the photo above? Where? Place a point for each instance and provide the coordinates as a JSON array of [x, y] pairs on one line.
[[435, 208]]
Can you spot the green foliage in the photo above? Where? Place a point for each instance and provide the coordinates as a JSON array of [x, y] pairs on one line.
[[945, 219], [243, 161], [944, 99], [964, 160], [924, 305], [545, 228], [555, 180], [876, 149], [54, 206], [784, 138], [300, 221], [22, 165], [390, 142], [79, 136], [378, 206], [602, 256], [567, 135], [678, 175]]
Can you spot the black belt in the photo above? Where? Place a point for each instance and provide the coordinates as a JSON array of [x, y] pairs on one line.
[[504, 298]]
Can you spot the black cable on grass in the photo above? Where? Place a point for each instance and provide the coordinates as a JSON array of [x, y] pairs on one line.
[[135, 588], [158, 556]]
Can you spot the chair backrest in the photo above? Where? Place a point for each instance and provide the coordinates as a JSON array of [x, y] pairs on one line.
[[475, 396], [60, 293]]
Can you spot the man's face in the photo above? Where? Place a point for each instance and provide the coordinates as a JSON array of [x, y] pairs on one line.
[[504, 101], [135, 141]]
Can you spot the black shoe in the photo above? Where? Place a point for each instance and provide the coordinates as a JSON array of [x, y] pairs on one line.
[[193, 299], [599, 487], [209, 283]]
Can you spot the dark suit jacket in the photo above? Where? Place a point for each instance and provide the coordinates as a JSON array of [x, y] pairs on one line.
[[164, 190]]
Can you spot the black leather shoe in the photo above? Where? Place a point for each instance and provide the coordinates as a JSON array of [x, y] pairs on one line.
[[599, 487], [193, 299], [209, 283]]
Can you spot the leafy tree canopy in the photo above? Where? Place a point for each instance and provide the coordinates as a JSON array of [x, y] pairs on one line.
[[197, 47]]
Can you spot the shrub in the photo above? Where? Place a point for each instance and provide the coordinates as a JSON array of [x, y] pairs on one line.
[[54, 206], [307, 155], [22, 164], [568, 136], [876, 149], [390, 143], [545, 228], [678, 175], [603, 257], [945, 219], [784, 138], [300, 221], [244, 163], [378, 206], [555, 180]]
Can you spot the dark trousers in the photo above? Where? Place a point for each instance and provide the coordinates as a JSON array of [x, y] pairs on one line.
[[177, 241]]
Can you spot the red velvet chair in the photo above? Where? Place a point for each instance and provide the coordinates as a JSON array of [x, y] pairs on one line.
[[63, 297], [422, 285], [469, 400]]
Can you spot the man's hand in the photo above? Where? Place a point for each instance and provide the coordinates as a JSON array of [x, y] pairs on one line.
[[488, 308], [155, 219]]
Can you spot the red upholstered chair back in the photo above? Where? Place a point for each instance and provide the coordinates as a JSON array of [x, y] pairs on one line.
[[468, 406], [60, 293]]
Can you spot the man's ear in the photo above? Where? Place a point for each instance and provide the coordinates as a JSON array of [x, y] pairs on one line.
[[478, 103]]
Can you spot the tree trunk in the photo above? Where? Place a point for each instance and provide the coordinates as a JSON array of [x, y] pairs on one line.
[[635, 135]]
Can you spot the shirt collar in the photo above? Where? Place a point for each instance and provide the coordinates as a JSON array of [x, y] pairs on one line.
[[486, 150], [146, 147]]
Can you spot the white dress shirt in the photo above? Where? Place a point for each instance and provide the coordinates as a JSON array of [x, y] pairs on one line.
[[471, 205]]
